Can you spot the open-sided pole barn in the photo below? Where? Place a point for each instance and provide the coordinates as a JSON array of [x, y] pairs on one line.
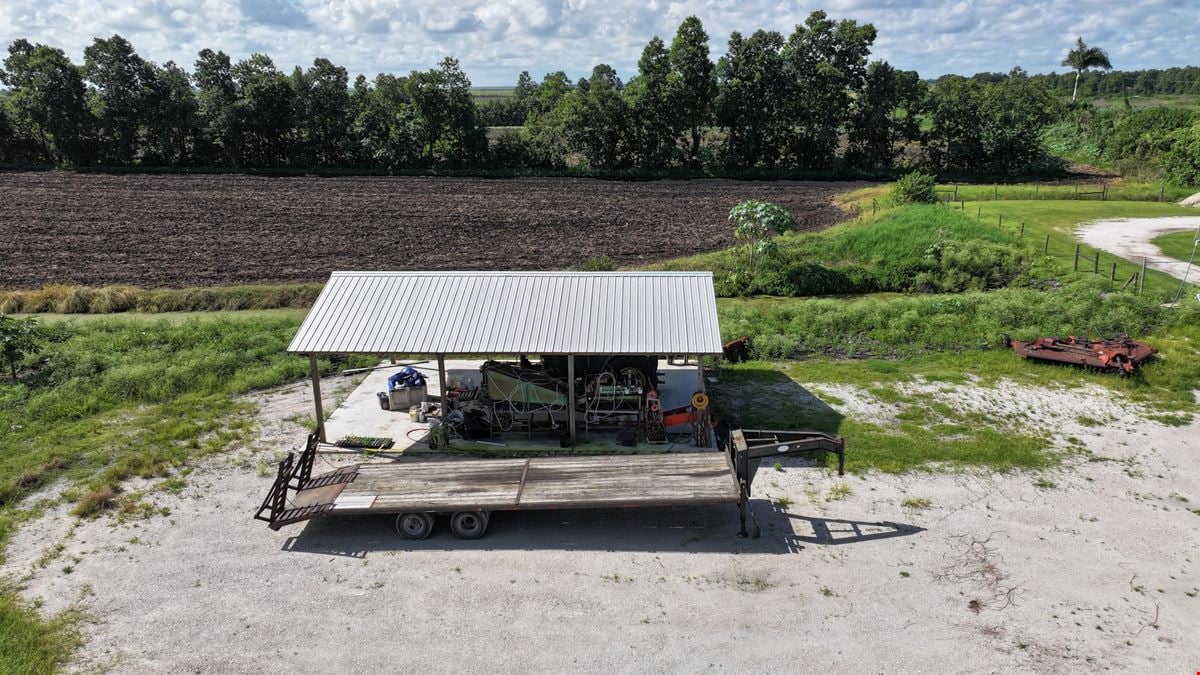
[[599, 336]]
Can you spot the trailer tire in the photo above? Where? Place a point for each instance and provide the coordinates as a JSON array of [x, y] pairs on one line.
[[469, 524], [414, 525]]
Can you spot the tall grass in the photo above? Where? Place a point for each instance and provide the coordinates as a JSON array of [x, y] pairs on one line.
[[69, 299], [894, 325]]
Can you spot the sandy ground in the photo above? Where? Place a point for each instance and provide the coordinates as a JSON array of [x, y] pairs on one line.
[[1093, 566], [1130, 238]]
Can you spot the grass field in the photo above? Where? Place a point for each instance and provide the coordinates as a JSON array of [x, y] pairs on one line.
[[1189, 101], [1178, 245]]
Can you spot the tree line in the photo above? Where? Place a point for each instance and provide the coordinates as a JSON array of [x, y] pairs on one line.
[[810, 101], [1149, 82]]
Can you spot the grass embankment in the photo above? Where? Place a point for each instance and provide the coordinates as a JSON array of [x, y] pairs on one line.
[[1177, 245], [110, 399], [912, 248]]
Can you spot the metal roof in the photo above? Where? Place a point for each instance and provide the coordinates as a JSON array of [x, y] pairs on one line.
[[513, 313]]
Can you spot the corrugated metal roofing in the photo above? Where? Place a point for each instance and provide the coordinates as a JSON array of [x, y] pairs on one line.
[[513, 313]]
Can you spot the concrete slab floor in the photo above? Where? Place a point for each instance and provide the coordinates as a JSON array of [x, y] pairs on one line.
[[360, 415]]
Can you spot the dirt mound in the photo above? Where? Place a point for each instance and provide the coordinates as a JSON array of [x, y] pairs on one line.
[[1193, 201], [172, 230]]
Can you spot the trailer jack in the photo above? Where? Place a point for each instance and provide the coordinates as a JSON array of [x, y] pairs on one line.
[[748, 447]]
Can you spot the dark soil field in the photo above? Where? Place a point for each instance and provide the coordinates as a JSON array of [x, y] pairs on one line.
[[205, 230]]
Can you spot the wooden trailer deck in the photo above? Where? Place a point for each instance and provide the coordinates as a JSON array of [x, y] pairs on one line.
[[469, 489], [516, 484]]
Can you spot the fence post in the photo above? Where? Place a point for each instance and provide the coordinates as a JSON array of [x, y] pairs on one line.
[[1096, 264], [1142, 279], [1036, 190], [1022, 233], [874, 205], [979, 211], [1046, 247], [995, 192], [999, 219], [1104, 193], [1113, 276], [1076, 257], [963, 205], [1161, 191]]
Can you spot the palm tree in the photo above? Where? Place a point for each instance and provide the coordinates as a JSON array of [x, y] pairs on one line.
[[1082, 58]]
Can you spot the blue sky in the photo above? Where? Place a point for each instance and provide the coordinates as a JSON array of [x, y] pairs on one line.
[[496, 39]]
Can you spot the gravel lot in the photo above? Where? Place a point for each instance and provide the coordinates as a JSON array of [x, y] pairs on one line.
[[1094, 566]]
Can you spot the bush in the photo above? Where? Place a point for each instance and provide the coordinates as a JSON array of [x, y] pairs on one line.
[[914, 188], [597, 263], [1182, 161]]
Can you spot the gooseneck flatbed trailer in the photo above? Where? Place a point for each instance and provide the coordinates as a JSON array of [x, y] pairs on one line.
[[468, 490]]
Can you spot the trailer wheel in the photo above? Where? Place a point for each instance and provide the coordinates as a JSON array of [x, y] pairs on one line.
[[415, 525], [469, 524]]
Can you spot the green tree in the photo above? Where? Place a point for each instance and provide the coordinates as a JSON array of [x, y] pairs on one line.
[[695, 81], [216, 99], [597, 120], [652, 103], [122, 85], [544, 133], [263, 111], [1082, 58], [171, 116], [884, 116], [18, 338], [323, 111], [386, 124], [448, 122], [48, 99], [826, 63], [752, 99]]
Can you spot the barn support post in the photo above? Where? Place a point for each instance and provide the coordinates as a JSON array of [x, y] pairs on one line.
[[442, 387], [314, 372], [571, 397]]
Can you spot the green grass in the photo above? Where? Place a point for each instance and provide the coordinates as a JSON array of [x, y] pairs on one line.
[[1123, 190], [1177, 245], [109, 399], [31, 644], [929, 434], [1059, 219]]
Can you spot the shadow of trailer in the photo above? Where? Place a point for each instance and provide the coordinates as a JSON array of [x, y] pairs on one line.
[[468, 490]]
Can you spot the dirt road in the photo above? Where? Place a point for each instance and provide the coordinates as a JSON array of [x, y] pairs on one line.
[[1130, 238]]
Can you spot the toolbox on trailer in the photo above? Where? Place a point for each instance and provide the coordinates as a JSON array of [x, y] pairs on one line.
[[468, 490]]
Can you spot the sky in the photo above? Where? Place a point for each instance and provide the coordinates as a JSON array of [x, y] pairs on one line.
[[496, 39]]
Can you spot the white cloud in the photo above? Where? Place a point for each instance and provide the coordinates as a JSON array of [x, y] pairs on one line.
[[495, 39]]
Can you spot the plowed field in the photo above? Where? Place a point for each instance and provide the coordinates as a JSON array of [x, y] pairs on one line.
[[204, 230]]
